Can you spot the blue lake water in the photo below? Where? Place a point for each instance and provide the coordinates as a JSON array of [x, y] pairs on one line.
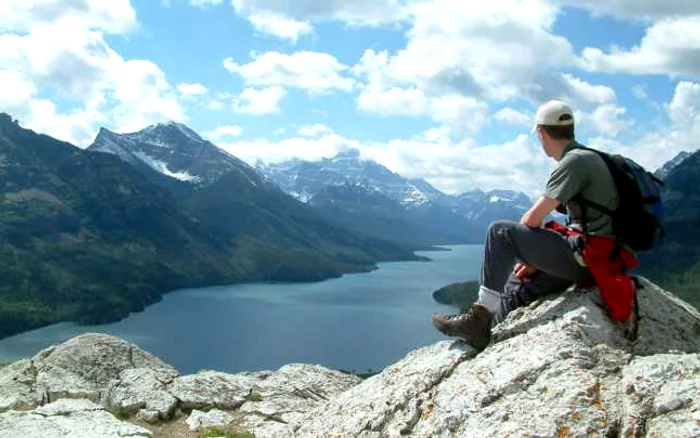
[[356, 322]]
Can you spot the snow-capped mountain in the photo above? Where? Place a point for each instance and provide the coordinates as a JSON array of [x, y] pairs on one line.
[[482, 208], [171, 149], [668, 167], [304, 179], [358, 185]]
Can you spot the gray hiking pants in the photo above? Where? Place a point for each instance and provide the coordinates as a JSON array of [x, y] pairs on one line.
[[508, 242]]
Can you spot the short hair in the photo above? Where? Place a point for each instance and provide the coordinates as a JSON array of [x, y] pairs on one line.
[[565, 132]]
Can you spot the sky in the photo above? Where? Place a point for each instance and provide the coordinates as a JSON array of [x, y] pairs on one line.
[[444, 90]]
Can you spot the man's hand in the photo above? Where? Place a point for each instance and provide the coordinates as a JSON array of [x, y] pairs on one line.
[[534, 217], [524, 271]]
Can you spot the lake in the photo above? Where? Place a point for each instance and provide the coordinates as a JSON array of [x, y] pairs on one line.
[[356, 322]]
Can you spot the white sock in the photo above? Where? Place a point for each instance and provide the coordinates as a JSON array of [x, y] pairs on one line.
[[492, 300]]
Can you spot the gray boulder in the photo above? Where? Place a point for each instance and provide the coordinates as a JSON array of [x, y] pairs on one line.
[[143, 391], [199, 420], [211, 389], [67, 418], [79, 368], [282, 398]]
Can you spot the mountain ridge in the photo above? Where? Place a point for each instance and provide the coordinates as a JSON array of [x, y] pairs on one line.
[[446, 218], [89, 237]]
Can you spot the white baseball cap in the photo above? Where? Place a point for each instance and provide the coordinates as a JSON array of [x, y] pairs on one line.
[[553, 113]]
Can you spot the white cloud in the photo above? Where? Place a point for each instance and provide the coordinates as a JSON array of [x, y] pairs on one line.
[[355, 12], [259, 101], [640, 92], [314, 130], [18, 97], [513, 117], [684, 108], [142, 96], [452, 166], [680, 134], [275, 151], [277, 25], [191, 89], [670, 46], [584, 92], [603, 121], [644, 9], [70, 59], [314, 72], [460, 56], [223, 132], [114, 16], [441, 134], [205, 3], [458, 111], [460, 165], [15, 90]]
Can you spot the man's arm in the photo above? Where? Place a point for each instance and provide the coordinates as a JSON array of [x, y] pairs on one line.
[[535, 216]]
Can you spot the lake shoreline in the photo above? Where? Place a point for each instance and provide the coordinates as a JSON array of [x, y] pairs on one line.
[[340, 293]]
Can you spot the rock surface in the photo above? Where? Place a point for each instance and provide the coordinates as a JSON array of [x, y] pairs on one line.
[[143, 390], [556, 368], [661, 396], [67, 418], [199, 420], [79, 368]]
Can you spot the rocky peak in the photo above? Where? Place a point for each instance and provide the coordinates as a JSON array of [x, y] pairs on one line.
[[170, 149], [7, 120], [669, 166], [171, 130], [559, 367], [348, 155]]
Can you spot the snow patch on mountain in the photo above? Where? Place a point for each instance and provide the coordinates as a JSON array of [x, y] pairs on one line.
[[161, 167], [173, 150]]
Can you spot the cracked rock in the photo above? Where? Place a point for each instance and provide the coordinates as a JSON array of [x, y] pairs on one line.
[[556, 368], [79, 368], [199, 420], [143, 390], [67, 418]]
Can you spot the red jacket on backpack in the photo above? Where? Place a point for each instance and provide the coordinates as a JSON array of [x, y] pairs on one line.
[[608, 263]]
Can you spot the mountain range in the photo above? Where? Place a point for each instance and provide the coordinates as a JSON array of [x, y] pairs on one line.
[[361, 195], [89, 236], [675, 262], [370, 198]]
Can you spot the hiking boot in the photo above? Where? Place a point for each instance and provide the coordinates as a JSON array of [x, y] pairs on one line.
[[474, 326]]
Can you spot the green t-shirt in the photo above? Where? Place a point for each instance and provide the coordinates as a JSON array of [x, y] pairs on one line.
[[583, 172]]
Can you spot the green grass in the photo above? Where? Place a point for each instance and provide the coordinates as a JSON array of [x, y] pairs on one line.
[[216, 432], [119, 412], [253, 397]]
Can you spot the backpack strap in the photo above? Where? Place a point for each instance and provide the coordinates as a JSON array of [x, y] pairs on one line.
[[600, 208]]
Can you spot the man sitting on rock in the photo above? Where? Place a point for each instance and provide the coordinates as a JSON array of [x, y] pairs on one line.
[[524, 261]]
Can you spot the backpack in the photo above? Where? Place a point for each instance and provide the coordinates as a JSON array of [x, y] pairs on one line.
[[637, 219]]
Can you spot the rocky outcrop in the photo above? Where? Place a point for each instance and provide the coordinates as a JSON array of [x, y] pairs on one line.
[[68, 418], [79, 368], [556, 368], [133, 384]]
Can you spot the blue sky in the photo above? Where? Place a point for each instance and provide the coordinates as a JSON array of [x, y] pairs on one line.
[[441, 89]]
